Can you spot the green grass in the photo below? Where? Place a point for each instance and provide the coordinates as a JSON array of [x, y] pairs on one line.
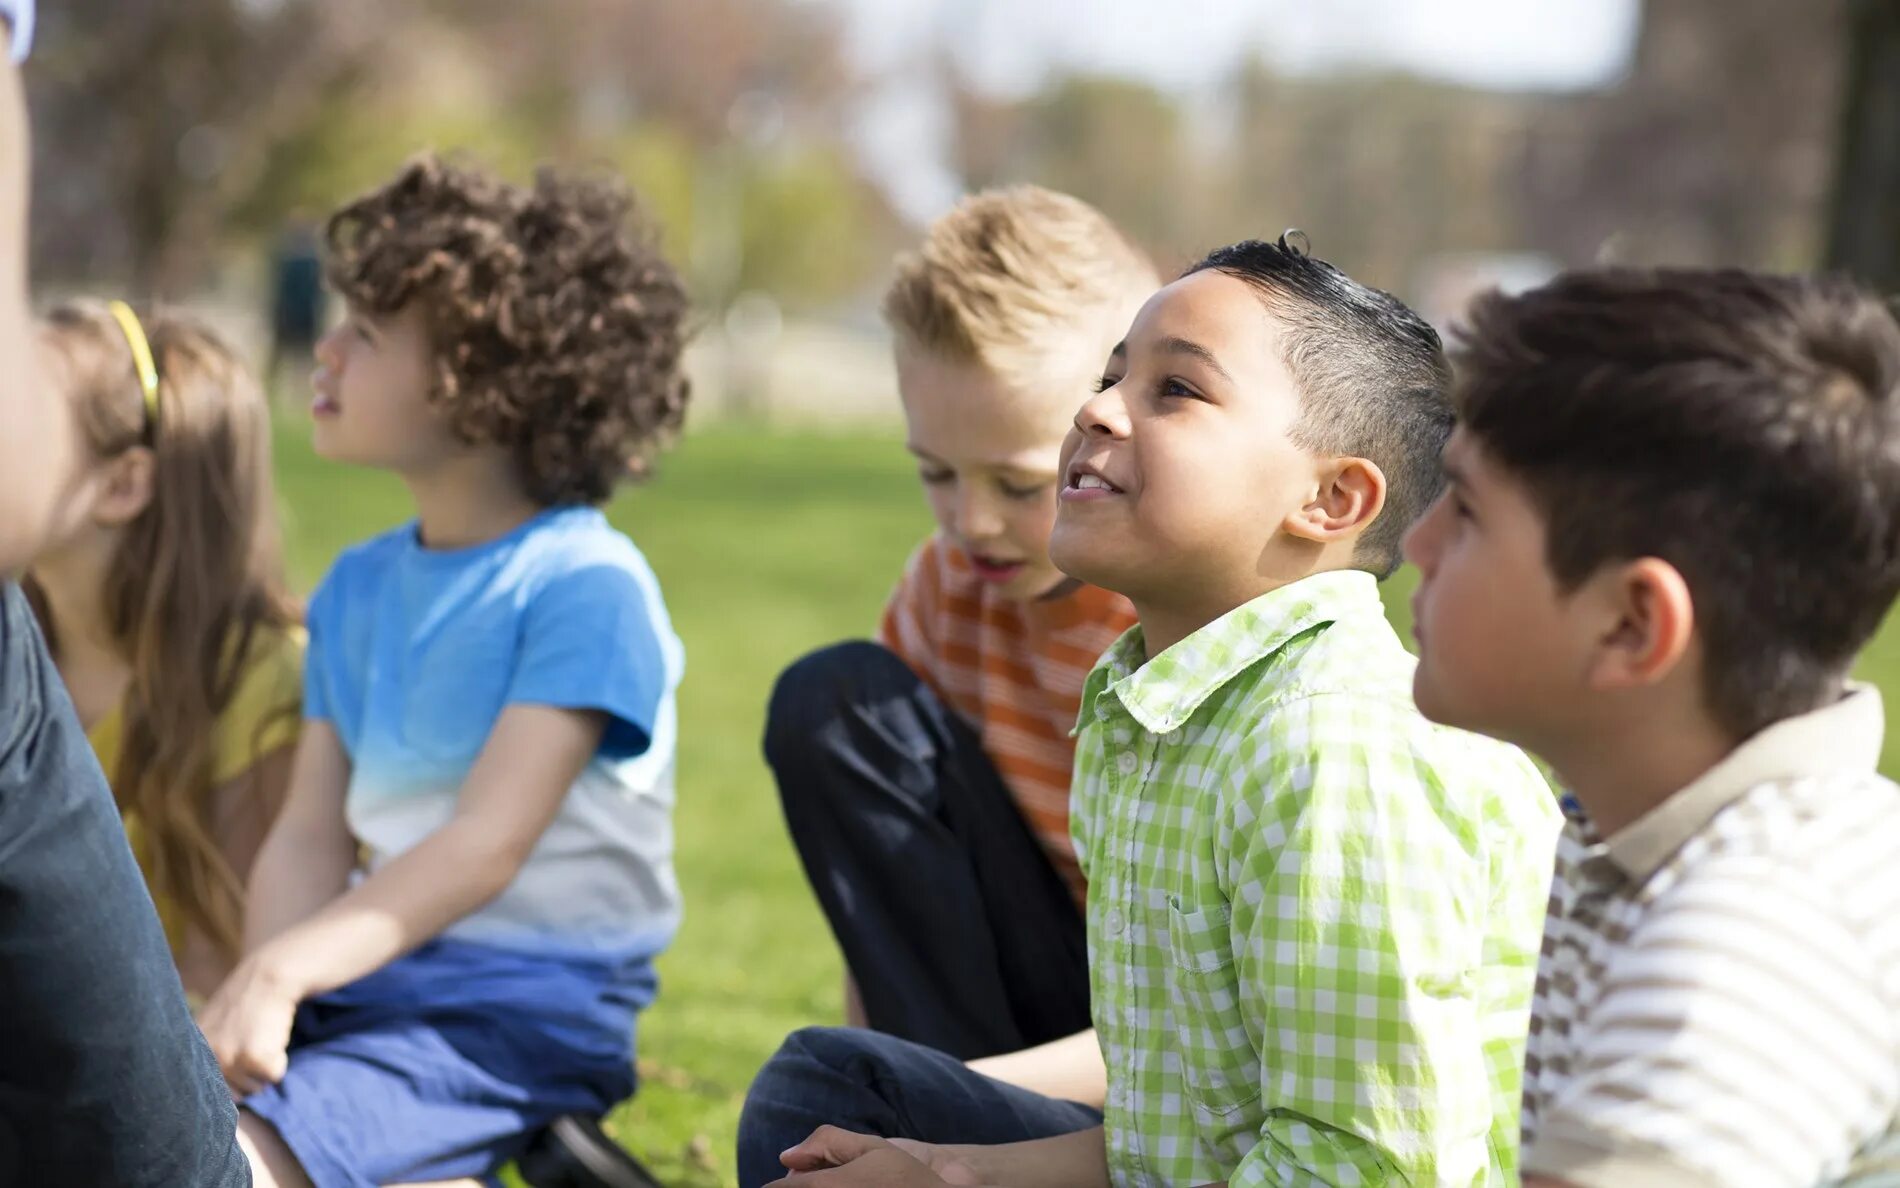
[[767, 545]]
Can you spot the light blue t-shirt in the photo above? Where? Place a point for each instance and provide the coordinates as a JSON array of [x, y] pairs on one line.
[[415, 651]]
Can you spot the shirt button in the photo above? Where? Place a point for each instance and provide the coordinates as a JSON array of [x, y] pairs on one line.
[[1126, 762], [1115, 922], [1101, 711]]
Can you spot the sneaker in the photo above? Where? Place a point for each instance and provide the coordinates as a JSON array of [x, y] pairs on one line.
[[574, 1152]]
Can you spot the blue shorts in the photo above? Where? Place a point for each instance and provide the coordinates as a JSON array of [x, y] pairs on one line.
[[443, 1064]]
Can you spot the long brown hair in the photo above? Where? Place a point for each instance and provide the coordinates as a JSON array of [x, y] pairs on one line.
[[195, 587]]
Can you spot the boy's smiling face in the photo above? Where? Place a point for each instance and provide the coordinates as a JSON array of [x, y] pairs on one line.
[[986, 455], [1179, 476]]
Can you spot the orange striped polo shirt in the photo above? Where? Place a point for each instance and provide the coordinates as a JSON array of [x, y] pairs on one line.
[[1012, 669]]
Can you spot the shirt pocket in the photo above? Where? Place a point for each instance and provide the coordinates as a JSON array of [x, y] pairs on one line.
[[1220, 1067]]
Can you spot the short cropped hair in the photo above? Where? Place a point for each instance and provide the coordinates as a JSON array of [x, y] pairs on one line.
[[1006, 271], [1743, 428], [557, 325], [1371, 373]]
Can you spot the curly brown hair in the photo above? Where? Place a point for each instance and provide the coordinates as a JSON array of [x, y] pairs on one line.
[[557, 323]]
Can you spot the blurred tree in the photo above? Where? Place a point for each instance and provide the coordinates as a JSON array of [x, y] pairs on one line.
[[1714, 149], [1114, 142], [175, 131], [155, 120], [1865, 227]]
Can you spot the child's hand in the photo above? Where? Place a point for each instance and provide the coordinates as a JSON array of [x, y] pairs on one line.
[[247, 1023], [834, 1156]]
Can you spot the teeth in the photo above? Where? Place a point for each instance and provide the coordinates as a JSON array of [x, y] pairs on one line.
[[1092, 482]]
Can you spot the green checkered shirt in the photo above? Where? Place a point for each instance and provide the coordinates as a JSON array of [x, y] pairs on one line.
[[1313, 916]]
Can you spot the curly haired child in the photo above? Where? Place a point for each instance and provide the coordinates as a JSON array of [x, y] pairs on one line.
[[488, 703]]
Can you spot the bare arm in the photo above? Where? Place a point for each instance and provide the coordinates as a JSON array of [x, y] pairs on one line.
[[306, 859], [514, 790], [517, 785], [37, 441], [1078, 1160], [242, 810], [1070, 1069]]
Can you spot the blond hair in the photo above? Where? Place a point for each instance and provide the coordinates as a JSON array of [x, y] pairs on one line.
[[1007, 271], [195, 585]]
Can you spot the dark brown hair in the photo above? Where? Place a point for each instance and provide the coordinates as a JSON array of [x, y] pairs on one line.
[[1743, 428], [1372, 375], [557, 324], [195, 586]]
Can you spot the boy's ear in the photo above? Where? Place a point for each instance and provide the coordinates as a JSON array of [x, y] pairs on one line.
[[1350, 495], [1651, 618], [125, 489]]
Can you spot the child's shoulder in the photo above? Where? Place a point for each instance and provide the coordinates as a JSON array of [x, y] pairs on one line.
[[371, 556], [578, 544]]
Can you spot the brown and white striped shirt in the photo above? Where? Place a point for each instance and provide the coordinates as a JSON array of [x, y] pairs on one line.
[[1718, 1000]]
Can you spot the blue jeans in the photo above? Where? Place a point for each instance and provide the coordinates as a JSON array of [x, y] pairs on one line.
[[104, 1078], [872, 1083]]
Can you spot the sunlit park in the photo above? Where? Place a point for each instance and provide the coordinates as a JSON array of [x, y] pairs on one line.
[[786, 152]]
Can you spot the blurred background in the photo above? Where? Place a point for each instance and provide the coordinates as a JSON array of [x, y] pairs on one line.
[[789, 146], [188, 150]]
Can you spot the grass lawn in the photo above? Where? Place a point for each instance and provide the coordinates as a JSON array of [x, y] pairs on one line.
[[767, 545]]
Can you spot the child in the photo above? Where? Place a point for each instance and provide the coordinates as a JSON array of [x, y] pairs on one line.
[[105, 1079], [489, 708], [162, 598], [940, 755], [1313, 915], [1673, 519]]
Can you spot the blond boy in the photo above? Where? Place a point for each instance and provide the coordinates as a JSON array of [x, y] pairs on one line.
[[925, 777]]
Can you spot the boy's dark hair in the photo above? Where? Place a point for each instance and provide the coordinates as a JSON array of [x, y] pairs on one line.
[[557, 324], [1372, 374], [1743, 428]]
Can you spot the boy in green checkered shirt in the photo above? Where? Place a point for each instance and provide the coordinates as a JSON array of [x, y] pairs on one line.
[[1313, 916]]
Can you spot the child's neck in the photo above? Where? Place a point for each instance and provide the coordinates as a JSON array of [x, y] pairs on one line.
[[90, 660], [1172, 617], [1652, 753], [469, 500]]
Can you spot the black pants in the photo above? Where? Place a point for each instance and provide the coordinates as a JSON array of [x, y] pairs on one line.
[[960, 933]]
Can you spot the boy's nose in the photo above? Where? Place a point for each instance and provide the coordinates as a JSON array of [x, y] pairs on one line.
[[1415, 546], [1103, 415]]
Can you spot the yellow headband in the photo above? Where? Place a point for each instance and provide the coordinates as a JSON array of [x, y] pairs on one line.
[[141, 358]]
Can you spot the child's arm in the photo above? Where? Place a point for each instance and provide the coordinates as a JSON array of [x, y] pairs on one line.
[[1070, 1069], [242, 812], [516, 787], [306, 859], [1078, 1160]]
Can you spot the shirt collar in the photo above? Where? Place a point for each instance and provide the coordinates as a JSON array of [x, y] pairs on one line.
[[1842, 737], [1164, 692]]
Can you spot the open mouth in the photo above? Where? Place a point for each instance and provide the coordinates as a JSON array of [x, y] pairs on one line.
[[1084, 483], [324, 406], [995, 569]]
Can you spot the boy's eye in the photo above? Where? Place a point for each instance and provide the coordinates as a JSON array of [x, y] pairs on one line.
[[1104, 383], [1021, 491], [1174, 387], [1460, 508], [936, 478]]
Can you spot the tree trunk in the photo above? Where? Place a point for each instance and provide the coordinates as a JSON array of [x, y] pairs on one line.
[[1864, 236]]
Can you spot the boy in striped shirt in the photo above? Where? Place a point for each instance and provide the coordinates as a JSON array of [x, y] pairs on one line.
[[1673, 519], [925, 777]]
